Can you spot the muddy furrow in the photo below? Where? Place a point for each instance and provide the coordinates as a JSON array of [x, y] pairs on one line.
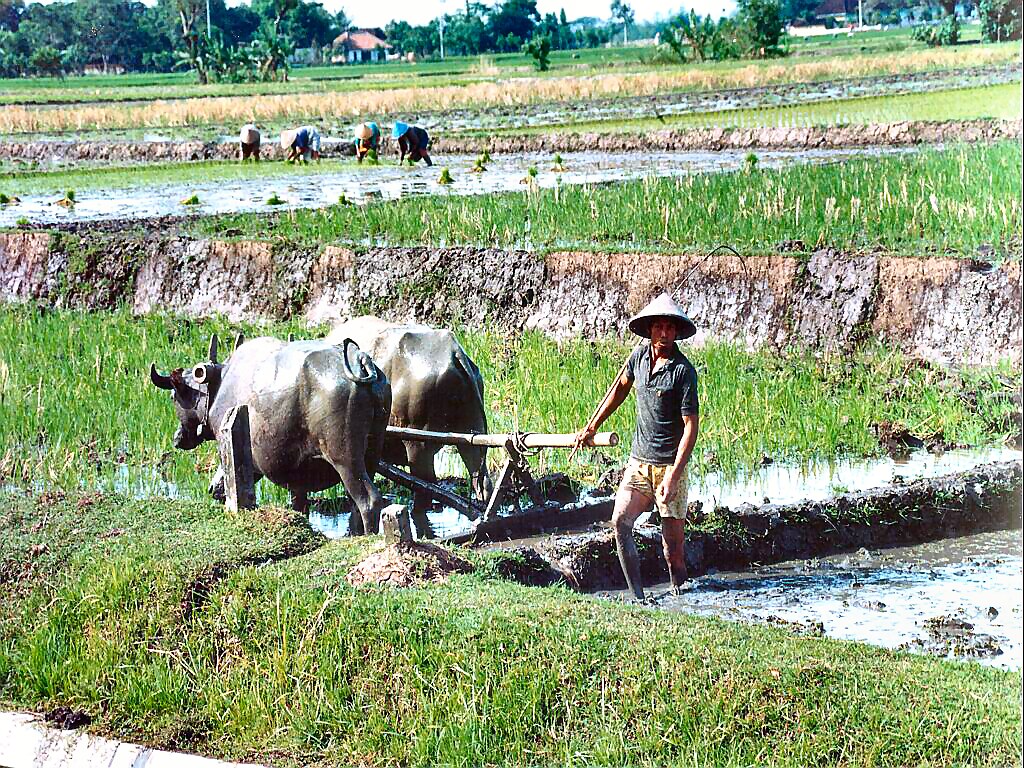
[[986, 498]]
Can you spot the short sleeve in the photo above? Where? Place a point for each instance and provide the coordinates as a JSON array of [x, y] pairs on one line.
[[632, 363], [688, 393]]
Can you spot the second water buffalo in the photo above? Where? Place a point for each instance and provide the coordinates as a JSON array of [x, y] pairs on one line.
[[435, 386]]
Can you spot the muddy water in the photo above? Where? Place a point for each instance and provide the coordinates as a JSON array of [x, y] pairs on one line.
[[388, 181], [778, 483], [958, 598]]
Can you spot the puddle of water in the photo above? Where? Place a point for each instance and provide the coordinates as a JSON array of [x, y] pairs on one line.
[[360, 184], [786, 484], [882, 597]]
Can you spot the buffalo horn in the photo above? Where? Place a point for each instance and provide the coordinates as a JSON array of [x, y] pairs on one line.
[[159, 379], [239, 338], [213, 348]]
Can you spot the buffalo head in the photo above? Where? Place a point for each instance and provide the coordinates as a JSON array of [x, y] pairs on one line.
[[193, 392]]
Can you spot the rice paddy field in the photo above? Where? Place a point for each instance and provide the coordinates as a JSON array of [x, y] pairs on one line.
[[129, 595]]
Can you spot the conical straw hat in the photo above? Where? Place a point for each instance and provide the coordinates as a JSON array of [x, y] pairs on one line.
[[363, 132], [663, 306], [287, 138]]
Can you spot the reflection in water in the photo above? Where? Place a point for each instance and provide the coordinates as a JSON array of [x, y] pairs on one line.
[[894, 598], [389, 181]]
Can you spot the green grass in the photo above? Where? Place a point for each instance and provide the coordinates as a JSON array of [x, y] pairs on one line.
[[901, 204], [286, 662], [79, 410], [999, 102]]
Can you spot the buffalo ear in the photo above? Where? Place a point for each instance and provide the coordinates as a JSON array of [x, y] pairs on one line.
[[213, 348], [159, 380], [239, 338]]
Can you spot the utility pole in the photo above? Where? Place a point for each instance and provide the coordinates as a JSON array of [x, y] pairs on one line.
[[860, 13], [209, 30], [440, 31]]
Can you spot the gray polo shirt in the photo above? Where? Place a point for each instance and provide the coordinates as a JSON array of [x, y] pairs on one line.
[[662, 399]]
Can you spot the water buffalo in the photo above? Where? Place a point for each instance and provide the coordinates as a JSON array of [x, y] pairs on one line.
[[434, 385], [317, 414]]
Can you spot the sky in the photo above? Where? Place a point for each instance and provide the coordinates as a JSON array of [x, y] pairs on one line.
[[421, 11]]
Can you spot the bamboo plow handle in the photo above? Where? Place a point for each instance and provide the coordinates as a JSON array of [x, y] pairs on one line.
[[526, 439]]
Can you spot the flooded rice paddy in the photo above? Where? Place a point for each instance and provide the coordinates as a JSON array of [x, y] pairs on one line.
[[959, 597], [360, 184]]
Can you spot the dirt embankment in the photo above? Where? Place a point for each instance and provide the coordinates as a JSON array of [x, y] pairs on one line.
[[895, 134], [946, 310], [983, 499]]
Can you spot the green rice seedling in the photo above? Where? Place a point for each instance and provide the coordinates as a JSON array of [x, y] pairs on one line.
[[343, 199], [275, 200], [485, 157], [445, 177], [750, 162], [901, 204], [478, 165], [192, 199], [6, 199], [557, 165], [22, 222], [68, 201]]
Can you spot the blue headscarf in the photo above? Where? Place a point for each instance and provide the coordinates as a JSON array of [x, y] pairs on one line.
[[399, 130]]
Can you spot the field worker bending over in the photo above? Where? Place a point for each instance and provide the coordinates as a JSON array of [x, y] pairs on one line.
[[301, 143], [367, 140], [667, 423], [412, 141], [249, 143]]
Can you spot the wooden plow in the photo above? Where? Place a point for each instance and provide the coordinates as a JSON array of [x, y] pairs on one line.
[[512, 482]]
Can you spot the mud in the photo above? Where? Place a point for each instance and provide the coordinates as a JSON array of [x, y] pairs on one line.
[[949, 311], [408, 564], [986, 498], [907, 133], [956, 598]]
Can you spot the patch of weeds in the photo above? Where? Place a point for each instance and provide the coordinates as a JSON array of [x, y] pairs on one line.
[[193, 199], [275, 200]]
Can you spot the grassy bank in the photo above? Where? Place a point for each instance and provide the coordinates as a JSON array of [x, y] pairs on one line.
[[232, 110], [117, 607], [901, 204], [79, 410]]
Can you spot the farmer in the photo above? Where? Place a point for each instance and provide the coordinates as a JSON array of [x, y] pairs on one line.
[[666, 429], [249, 143], [412, 141], [301, 143], [367, 140]]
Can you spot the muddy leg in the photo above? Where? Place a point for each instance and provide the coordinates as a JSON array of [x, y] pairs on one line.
[[673, 538], [421, 464], [364, 493], [629, 505], [475, 459]]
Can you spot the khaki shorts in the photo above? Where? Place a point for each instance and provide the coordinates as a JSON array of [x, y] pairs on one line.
[[645, 478]]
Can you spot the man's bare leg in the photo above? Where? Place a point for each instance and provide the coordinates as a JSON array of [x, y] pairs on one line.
[[673, 538], [629, 505]]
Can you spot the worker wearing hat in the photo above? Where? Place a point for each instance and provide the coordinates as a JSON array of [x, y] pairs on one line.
[[667, 423], [412, 141], [367, 139], [301, 143], [249, 143]]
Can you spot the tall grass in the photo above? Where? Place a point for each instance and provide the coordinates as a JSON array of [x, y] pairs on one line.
[[520, 91], [79, 411], [904, 204]]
